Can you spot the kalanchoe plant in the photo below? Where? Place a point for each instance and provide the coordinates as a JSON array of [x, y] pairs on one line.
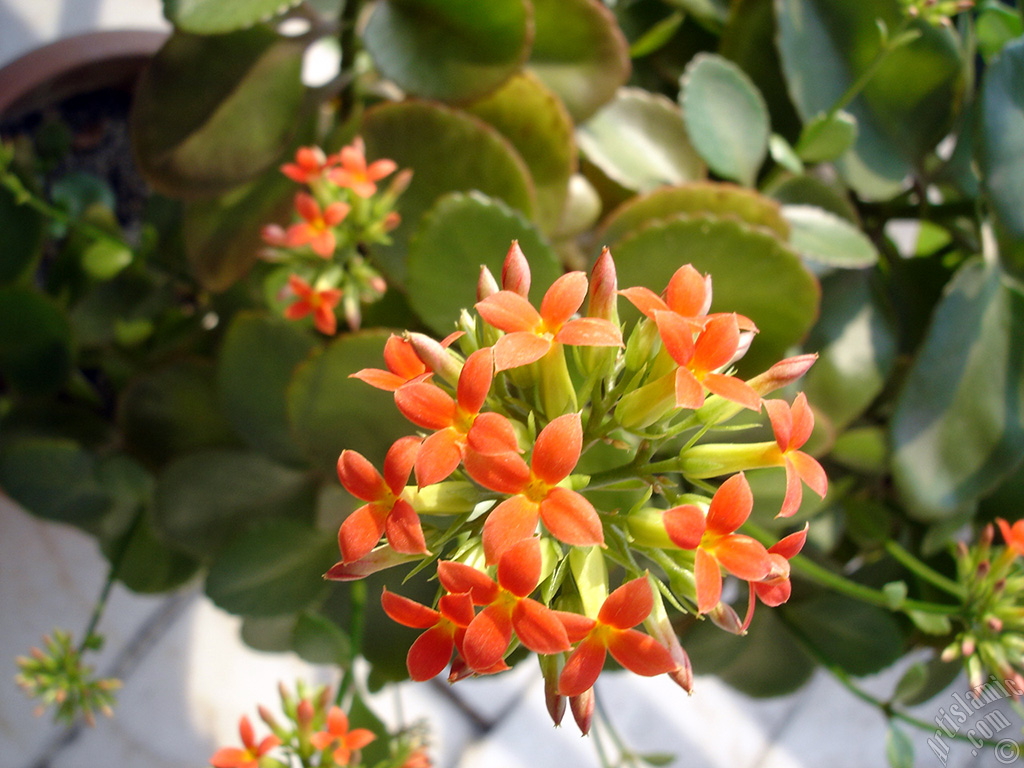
[[530, 558]]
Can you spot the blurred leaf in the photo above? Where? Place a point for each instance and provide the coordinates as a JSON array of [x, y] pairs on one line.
[[868, 522], [148, 565], [536, 122], [319, 640], [859, 638], [258, 357], [35, 341], [199, 130], [450, 50], [718, 199], [863, 449], [905, 109], [1001, 152], [996, 25], [782, 152], [457, 236], [957, 429], [743, 262], [205, 498], [172, 410], [656, 36], [579, 52], [827, 239], [222, 236], [712, 12], [211, 17], [330, 412], [856, 344], [639, 140], [270, 634], [54, 479], [449, 151], [810, 190], [273, 568], [939, 674], [726, 117], [911, 683], [899, 749], [23, 237], [827, 137], [106, 258]]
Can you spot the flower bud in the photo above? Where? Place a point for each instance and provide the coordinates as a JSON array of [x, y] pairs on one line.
[[648, 404], [550, 667], [660, 628], [377, 560], [591, 576], [449, 497], [486, 285], [717, 459], [304, 714], [602, 303], [436, 357], [556, 390], [583, 710], [640, 345], [647, 527], [725, 618], [515, 273]]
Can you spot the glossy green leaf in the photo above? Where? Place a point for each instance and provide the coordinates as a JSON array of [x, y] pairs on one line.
[[826, 45], [1001, 152], [539, 127], [330, 412], [742, 262], [319, 640], [211, 17], [457, 236], [199, 130], [859, 638], [54, 479], [827, 137], [204, 499], [22, 240], [35, 341], [579, 52], [450, 50], [726, 117], [639, 140], [448, 151], [171, 410], [258, 357], [957, 428], [712, 198], [222, 236], [856, 344], [827, 239], [271, 569]]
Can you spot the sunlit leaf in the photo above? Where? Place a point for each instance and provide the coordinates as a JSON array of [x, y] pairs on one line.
[[210, 17]]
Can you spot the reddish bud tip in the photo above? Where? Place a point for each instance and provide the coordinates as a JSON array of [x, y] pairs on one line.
[[781, 374], [583, 710], [604, 289], [486, 285], [515, 273]]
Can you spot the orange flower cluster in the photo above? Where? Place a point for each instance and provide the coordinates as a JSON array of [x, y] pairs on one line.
[[504, 426]]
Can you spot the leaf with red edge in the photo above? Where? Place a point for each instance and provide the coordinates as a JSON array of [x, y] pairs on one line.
[[640, 653], [557, 448], [571, 518]]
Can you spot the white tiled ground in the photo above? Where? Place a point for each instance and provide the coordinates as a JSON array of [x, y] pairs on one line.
[[188, 677]]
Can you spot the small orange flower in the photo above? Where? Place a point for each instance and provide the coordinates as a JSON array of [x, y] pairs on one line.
[[792, 427], [319, 303], [445, 628], [403, 365], [317, 226], [716, 542], [529, 334], [310, 164], [247, 757], [613, 632], [776, 588], [338, 733], [386, 512], [353, 172], [1012, 535], [566, 514]]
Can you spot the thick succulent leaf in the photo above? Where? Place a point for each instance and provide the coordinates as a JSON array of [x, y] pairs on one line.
[[639, 141], [273, 568], [199, 129], [539, 127], [726, 117], [258, 358], [957, 430], [753, 273], [448, 151], [204, 499], [171, 410], [457, 236], [579, 52], [826, 45], [450, 50], [211, 17], [319, 640], [810, 190], [330, 412], [827, 137], [856, 344], [1001, 152], [35, 341], [23, 237], [717, 199], [828, 239]]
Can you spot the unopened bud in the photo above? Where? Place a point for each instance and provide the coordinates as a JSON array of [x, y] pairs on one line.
[[267, 717], [983, 569], [987, 535], [400, 182], [603, 300], [304, 714], [391, 221], [515, 272], [582, 707], [486, 285], [967, 646], [994, 623], [782, 374], [950, 653], [660, 628], [460, 670], [550, 667], [590, 573], [725, 618], [436, 357]]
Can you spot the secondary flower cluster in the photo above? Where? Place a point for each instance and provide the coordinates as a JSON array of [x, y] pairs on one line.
[[524, 432], [315, 734], [337, 216]]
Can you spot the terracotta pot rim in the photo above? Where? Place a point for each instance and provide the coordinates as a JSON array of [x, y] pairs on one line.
[[61, 68]]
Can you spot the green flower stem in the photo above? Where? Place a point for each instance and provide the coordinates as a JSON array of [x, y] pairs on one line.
[[115, 568], [356, 626], [347, 41], [925, 572], [901, 36]]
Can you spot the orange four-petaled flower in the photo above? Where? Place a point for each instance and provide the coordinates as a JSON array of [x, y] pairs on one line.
[[339, 739], [249, 755], [317, 302], [792, 426], [354, 173]]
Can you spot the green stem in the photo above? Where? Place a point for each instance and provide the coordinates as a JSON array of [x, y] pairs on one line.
[[112, 573], [912, 564], [347, 42], [356, 627], [891, 44]]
